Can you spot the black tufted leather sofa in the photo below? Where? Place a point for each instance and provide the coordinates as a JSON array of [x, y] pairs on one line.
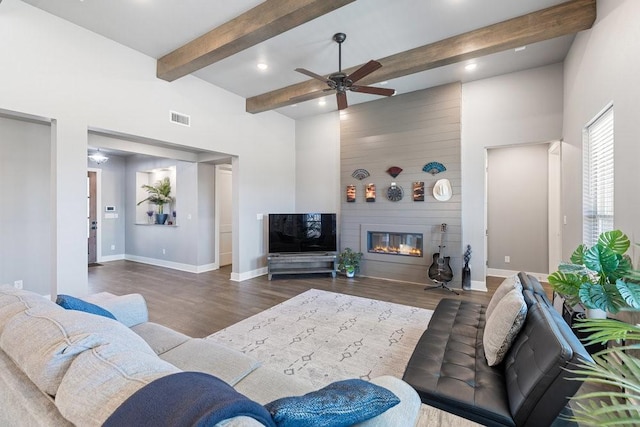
[[530, 387]]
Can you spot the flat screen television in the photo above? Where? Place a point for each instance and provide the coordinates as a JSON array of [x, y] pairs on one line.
[[302, 232]]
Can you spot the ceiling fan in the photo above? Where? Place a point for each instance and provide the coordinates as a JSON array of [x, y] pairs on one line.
[[341, 83]]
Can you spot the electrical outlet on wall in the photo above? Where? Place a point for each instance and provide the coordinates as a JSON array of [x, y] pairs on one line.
[[507, 259], [18, 284], [113, 247]]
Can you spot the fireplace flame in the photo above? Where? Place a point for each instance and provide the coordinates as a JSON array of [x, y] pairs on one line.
[[395, 250]]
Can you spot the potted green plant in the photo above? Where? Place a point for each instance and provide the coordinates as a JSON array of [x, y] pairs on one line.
[[349, 261], [615, 371], [159, 195], [601, 276]]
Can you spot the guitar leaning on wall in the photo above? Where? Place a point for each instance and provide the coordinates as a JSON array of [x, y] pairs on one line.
[[440, 270]]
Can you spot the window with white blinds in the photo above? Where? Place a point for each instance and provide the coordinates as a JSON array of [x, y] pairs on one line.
[[597, 192]]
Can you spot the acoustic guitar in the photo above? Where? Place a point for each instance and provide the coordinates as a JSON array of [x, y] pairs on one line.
[[440, 270]]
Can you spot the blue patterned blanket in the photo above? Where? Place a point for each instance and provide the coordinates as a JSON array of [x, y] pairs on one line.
[[186, 399]]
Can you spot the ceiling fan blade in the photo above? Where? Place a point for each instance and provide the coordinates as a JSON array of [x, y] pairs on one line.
[[342, 100], [364, 71], [373, 90], [311, 95], [314, 75]]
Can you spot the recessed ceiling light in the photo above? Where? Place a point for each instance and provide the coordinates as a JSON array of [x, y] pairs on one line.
[[322, 101], [471, 67], [520, 49], [262, 66]]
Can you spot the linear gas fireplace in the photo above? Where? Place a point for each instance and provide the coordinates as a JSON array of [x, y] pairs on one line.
[[394, 243]]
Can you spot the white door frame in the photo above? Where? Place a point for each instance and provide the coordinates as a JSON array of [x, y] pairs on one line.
[[555, 205], [219, 169], [98, 212]]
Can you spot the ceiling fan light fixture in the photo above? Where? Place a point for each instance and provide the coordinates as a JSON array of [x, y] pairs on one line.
[[98, 157]]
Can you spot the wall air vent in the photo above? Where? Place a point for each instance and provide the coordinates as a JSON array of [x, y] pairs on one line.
[[179, 118]]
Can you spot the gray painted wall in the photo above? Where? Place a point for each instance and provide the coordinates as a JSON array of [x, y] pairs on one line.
[[517, 206], [517, 108], [179, 244], [602, 67], [25, 191], [408, 131]]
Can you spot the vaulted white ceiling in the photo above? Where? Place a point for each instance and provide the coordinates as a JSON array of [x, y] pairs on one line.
[[375, 29]]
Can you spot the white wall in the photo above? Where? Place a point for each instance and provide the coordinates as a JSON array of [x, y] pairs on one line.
[[603, 67], [318, 163], [522, 107], [82, 80]]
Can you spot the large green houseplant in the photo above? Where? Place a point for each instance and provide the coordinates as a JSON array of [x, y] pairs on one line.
[[601, 276], [159, 195], [349, 261]]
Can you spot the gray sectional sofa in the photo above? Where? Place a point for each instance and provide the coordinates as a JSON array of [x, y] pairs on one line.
[[64, 367]]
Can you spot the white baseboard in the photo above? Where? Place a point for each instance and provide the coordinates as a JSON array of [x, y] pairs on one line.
[[239, 277], [543, 277], [190, 268], [478, 285], [108, 258]]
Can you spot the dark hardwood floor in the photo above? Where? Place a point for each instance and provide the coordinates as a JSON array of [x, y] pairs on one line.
[[201, 304]]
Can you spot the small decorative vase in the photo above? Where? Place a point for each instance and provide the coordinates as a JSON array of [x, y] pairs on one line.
[[466, 277], [351, 272], [161, 218]]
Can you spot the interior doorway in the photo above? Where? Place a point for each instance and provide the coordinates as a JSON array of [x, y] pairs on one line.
[[224, 214], [92, 218], [517, 210]]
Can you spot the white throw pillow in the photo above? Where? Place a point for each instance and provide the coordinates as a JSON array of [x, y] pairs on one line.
[[507, 285], [503, 326]]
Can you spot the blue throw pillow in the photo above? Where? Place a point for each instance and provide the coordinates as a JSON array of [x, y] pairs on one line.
[[73, 303], [339, 404]]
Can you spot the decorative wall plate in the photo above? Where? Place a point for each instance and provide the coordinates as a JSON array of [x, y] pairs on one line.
[[394, 171], [434, 168], [395, 193], [360, 174]]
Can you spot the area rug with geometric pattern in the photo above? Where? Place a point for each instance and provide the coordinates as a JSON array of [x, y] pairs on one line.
[[321, 337]]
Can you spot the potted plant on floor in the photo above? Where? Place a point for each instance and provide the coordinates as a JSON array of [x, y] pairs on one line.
[[159, 195], [600, 277], [349, 261]]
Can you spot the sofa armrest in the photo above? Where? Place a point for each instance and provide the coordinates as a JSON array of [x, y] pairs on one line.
[[405, 413], [130, 309]]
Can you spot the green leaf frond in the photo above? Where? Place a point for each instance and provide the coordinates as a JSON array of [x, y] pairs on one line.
[[615, 240], [630, 292]]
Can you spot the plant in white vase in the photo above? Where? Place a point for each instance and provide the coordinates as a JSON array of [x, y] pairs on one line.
[[601, 276]]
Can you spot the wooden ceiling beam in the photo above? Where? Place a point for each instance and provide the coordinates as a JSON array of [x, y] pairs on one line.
[[264, 21], [563, 19]]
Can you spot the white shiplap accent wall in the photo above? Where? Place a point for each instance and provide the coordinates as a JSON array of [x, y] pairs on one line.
[[408, 131]]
